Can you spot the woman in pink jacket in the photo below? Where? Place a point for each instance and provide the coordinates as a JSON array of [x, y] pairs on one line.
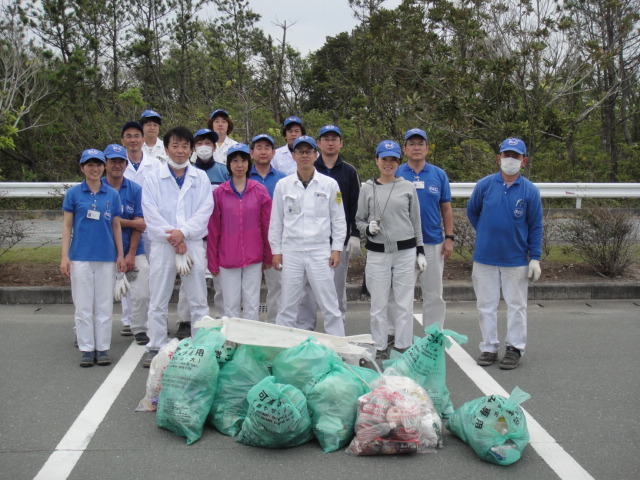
[[237, 244]]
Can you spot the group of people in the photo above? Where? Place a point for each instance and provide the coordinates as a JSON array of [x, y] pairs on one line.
[[204, 206]]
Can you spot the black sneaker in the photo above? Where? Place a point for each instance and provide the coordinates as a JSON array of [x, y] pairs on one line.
[[87, 359], [126, 331], [184, 330], [102, 358], [142, 338], [487, 358], [511, 358], [148, 358]]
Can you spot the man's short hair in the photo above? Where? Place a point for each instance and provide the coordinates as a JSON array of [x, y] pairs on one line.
[[181, 133]]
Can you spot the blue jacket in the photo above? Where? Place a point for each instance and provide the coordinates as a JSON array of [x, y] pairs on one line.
[[508, 221]]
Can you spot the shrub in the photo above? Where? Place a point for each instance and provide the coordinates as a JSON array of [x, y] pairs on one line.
[[465, 237], [602, 237]]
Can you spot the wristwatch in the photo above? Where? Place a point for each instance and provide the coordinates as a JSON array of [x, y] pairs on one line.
[[452, 237]]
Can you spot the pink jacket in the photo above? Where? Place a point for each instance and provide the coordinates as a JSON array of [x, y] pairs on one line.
[[239, 228]]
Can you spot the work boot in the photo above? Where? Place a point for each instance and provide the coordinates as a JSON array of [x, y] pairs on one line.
[[148, 358], [142, 338], [87, 359], [126, 331], [487, 358], [511, 358], [102, 358]]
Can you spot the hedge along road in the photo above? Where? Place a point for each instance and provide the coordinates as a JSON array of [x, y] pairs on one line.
[[578, 369]]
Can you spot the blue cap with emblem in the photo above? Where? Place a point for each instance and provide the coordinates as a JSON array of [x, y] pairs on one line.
[[388, 148]]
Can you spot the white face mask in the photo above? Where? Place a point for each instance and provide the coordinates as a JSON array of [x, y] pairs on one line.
[[510, 165], [204, 152], [177, 166]]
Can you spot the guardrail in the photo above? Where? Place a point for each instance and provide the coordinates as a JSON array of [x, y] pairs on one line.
[[458, 190]]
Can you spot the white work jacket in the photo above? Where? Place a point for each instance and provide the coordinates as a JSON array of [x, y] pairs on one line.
[[306, 219], [147, 165], [168, 207], [283, 161]]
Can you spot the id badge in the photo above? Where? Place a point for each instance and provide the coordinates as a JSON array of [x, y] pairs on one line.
[[294, 209], [93, 215], [419, 184]]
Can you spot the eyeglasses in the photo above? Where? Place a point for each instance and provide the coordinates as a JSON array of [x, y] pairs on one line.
[[303, 153]]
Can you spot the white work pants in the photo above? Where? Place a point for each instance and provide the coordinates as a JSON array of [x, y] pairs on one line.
[[307, 313], [183, 303], [162, 276], [92, 291], [273, 281], [138, 297], [315, 265], [487, 282], [241, 291], [386, 271], [433, 305]]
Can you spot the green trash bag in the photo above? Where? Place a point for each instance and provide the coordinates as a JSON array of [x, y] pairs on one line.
[[332, 399], [250, 364], [299, 364], [189, 385], [425, 363], [277, 416], [494, 426]]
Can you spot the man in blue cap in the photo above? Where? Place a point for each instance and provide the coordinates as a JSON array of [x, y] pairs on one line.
[[135, 304], [331, 163], [434, 194], [153, 145], [306, 235], [292, 128], [262, 151], [506, 210]]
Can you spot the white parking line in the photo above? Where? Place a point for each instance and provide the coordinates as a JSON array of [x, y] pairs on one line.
[[73, 444], [542, 442]]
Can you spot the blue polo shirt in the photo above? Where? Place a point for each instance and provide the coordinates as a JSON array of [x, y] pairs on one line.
[[131, 201], [436, 191], [508, 221], [92, 240], [273, 176]]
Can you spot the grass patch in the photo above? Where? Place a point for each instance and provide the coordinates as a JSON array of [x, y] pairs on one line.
[[32, 255]]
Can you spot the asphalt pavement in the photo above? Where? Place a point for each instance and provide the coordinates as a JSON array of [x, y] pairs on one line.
[[580, 368]]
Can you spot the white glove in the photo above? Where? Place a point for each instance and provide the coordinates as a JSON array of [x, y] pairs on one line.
[[422, 262], [353, 247], [122, 286], [184, 262], [534, 270], [374, 228]]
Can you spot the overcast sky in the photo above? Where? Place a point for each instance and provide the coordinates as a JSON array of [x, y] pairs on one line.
[[314, 21]]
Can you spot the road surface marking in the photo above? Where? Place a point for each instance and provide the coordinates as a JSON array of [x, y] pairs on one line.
[[73, 444], [542, 442]]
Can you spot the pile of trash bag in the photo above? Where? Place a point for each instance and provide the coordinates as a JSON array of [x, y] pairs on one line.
[[282, 397]]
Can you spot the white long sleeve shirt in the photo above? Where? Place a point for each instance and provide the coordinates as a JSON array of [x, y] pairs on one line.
[[306, 219], [168, 207], [283, 161], [156, 151], [220, 153]]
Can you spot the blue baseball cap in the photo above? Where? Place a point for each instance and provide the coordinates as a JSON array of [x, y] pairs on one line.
[[151, 115], [330, 129], [415, 132], [219, 112], [388, 148], [262, 136], [129, 125], [293, 119], [515, 145], [92, 154], [115, 151], [238, 148], [208, 133], [305, 139]]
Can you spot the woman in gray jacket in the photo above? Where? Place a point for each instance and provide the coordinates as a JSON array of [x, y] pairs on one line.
[[388, 210]]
